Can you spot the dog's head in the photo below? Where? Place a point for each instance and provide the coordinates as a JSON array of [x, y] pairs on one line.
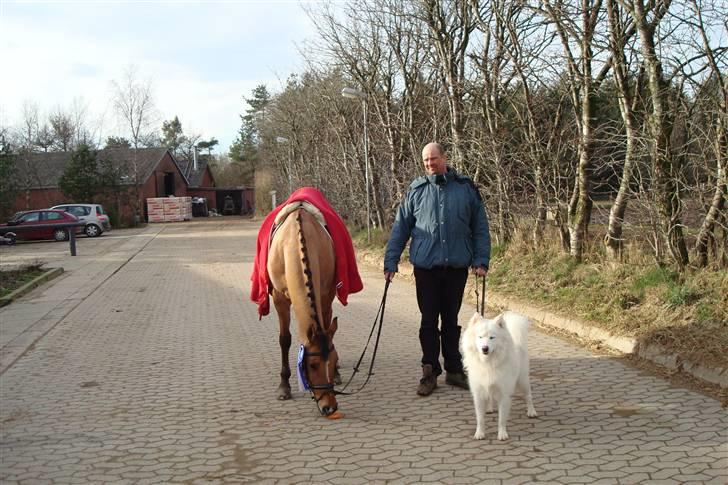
[[486, 335]]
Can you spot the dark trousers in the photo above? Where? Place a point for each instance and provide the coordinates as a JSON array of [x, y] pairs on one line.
[[439, 296]]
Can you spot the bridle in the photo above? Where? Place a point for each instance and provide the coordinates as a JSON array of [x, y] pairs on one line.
[[303, 355], [303, 378]]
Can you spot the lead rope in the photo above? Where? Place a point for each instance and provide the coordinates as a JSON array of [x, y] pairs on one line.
[[380, 316], [480, 296]]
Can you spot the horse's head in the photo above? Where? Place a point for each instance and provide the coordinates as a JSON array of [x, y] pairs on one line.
[[319, 367]]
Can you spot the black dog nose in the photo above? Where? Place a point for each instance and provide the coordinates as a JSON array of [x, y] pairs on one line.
[[486, 350]]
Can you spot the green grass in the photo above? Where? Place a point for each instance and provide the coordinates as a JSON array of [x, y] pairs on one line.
[[653, 277], [563, 268], [676, 295], [497, 250], [12, 280]]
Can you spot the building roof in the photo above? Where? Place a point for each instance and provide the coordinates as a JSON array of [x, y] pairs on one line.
[[194, 176], [43, 170]]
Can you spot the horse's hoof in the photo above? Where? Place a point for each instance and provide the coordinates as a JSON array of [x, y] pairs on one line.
[[284, 394]]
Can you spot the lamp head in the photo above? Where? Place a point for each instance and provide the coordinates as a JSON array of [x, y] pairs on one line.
[[353, 93]]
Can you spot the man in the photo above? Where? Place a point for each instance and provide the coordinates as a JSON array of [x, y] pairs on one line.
[[443, 214]]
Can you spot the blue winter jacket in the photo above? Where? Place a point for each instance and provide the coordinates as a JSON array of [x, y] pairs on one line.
[[445, 217]]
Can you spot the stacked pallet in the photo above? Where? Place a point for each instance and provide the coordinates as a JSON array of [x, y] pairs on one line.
[[169, 209], [155, 209]]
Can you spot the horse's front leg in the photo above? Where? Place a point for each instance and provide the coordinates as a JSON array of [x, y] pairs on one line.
[[283, 308]]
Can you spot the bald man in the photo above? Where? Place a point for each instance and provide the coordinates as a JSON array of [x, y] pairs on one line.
[[443, 215]]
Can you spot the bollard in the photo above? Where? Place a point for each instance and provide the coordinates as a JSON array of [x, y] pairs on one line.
[[72, 239]]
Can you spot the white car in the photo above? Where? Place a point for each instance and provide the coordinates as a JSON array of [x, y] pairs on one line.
[[93, 215]]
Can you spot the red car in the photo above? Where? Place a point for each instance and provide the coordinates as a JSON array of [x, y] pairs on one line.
[[42, 217]]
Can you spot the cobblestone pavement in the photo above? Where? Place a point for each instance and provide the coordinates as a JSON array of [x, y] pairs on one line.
[[163, 374]]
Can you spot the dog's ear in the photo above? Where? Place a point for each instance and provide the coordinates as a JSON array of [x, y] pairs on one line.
[[473, 320], [500, 321]]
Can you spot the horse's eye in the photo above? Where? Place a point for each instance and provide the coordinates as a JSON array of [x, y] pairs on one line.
[[314, 366]]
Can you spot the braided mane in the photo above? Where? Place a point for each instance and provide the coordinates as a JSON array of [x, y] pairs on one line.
[[308, 274]]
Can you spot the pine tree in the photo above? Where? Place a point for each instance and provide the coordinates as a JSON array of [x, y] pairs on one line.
[[81, 181], [117, 142], [244, 151], [172, 135]]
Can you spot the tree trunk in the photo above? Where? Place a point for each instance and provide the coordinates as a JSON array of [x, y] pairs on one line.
[[665, 167], [450, 25], [613, 240], [503, 215], [718, 203], [538, 228], [579, 211], [716, 214]]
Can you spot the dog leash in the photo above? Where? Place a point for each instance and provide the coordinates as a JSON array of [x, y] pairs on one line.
[[480, 296], [380, 316]]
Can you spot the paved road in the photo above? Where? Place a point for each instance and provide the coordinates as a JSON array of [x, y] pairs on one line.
[[152, 367]]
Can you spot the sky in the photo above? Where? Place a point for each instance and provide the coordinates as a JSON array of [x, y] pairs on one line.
[[201, 58]]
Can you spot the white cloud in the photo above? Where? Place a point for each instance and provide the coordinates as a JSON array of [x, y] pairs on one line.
[[202, 58]]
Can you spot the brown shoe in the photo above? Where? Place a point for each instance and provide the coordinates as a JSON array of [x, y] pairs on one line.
[[457, 379], [428, 383]]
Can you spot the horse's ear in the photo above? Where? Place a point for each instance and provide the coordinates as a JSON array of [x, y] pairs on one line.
[[310, 333], [333, 327]]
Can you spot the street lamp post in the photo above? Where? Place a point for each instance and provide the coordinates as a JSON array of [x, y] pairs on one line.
[[357, 94], [283, 140]]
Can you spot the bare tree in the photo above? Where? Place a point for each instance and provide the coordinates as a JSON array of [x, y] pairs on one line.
[[27, 133], [716, 60], [660, 121], [134, 104], [354, 39], [64, 130], [619, 24], [79, 115], [576, 25], [450, 25], [45, 138], [491, 61]]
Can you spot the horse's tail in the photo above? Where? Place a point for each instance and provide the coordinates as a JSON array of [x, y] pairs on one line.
[[313, 284]]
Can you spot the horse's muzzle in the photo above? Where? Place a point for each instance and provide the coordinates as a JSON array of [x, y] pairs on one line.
[[328, 410]]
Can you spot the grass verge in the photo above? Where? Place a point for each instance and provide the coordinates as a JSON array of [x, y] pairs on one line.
[[686, 313], [13, 279]]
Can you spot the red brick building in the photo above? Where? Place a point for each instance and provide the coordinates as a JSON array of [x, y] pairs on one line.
[[143, 173], [202, 184]]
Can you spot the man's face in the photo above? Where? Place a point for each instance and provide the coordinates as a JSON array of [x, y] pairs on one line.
[[434, 161]]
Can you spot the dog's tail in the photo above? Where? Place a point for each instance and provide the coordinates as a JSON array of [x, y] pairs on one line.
[[517, 326]]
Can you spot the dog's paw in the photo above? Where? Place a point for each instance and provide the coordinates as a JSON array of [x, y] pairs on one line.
[[479, 435], [502, 435], [532, 413]]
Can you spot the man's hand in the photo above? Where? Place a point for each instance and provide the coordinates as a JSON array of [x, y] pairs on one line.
[[389, 275], [480, 271]]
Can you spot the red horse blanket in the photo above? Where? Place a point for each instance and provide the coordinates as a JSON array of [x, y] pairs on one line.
[[347, 275]]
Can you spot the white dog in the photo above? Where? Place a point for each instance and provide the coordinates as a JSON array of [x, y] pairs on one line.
[[495, 356]]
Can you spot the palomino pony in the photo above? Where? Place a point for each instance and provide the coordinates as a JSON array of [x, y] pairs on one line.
[[302, 270]]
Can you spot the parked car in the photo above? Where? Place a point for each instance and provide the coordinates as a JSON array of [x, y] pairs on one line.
[[97, 222], [42, 217]]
